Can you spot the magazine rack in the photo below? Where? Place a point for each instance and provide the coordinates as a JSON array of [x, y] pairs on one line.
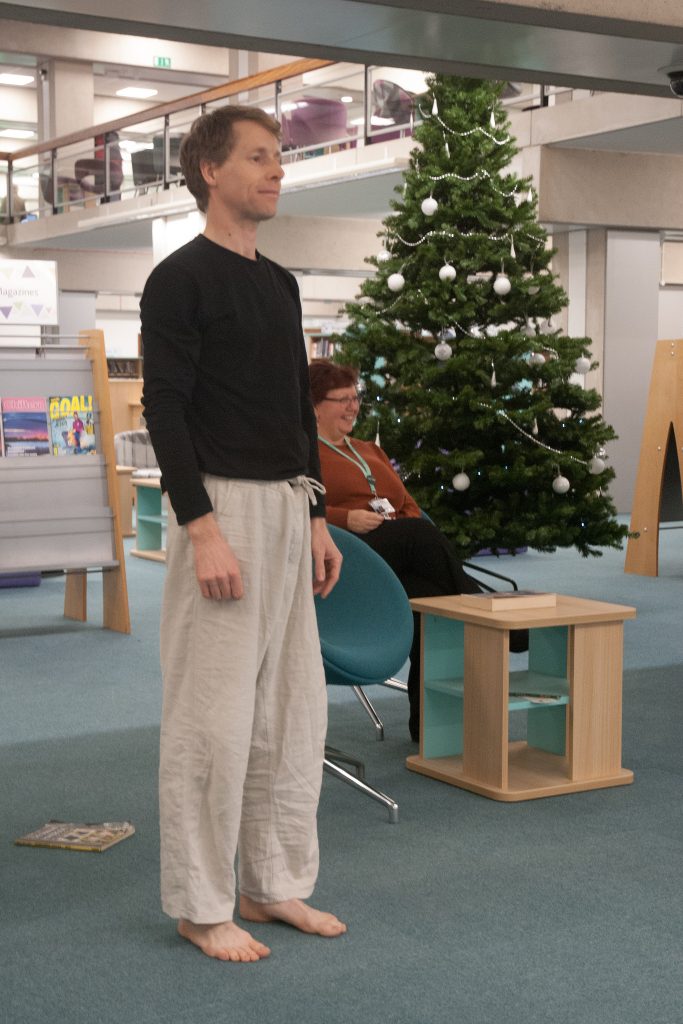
[[663, 420], [62, 513]]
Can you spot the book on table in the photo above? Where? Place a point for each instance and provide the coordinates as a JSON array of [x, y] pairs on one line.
[[506, 600], [70, 835]]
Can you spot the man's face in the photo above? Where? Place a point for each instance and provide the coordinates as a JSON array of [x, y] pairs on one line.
[[246, 186]]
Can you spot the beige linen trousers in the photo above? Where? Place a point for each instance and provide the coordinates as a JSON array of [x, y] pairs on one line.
[[244, 710]]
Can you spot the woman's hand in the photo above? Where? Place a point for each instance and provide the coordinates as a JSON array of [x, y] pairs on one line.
[[360, 521]]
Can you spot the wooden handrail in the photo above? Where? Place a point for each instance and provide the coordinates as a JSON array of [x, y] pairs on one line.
[[219, 92]]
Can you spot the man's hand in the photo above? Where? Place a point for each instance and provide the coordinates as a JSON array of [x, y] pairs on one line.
[[327, 558], [216, 566], [360, 521]]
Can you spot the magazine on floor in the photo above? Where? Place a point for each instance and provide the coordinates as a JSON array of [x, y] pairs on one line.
[[94, 837]]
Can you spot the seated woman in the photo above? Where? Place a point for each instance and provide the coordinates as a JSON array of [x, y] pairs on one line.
[[365, 495]]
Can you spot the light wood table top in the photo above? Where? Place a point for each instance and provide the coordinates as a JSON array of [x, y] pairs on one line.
[[568, 611]]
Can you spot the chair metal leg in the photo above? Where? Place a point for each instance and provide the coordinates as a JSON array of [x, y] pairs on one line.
[[396, 684], [375, 794], [341, 755], [367, 704], [490, 572]]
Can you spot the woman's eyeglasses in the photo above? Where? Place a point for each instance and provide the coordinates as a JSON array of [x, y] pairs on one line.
[[349, 400]]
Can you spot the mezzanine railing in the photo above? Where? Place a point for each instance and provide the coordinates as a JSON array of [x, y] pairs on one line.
[[323, 107]]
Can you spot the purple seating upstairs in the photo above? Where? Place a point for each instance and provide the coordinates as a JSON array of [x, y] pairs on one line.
[[313, 121], [391, 105]]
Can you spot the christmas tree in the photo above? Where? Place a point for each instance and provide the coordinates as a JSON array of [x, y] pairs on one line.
[[472, 388]]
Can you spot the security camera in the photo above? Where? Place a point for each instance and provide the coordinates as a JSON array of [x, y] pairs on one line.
[[674, 72]]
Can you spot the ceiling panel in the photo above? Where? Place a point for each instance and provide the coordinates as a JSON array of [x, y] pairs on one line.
[[523, 43]]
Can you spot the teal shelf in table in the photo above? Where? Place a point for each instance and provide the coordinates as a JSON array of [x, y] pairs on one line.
[[443, 696], [150, 521]]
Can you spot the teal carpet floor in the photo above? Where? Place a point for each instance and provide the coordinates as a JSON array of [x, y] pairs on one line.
[[565, 910]]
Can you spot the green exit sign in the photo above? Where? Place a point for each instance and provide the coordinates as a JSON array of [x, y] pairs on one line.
[[162, 62]]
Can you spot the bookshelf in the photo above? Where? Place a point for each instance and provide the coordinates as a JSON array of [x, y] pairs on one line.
[[318, 344], [126, 367]]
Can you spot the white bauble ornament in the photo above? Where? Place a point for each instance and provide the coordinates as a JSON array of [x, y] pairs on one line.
[[443, 351], [596, 466], [447, 273], [501, 285], [561, 485], [395, 282], [528, 279], [461, 481], [582, 365], [536, 359], [383, 256], [429, 206]]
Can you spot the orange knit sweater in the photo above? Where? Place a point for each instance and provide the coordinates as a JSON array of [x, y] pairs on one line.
[[347, 488]]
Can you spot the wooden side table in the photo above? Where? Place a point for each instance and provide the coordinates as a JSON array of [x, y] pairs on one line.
[[150, 519], [573, 743]]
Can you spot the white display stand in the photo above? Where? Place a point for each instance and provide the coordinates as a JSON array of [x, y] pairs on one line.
[[63, 512]]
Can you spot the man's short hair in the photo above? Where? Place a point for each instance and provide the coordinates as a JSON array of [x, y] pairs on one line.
[[212, 138]]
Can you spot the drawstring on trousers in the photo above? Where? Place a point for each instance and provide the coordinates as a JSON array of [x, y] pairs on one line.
[[311, 486]]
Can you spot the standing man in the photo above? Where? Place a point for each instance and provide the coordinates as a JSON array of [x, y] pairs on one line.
[[227, 405]]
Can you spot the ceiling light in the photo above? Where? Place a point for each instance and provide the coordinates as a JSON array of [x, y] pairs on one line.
[[132, 92], [346, 99], [11, 79], [17, 133]]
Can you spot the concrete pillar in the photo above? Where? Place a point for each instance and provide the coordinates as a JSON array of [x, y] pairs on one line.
[[596, 273], [560, 267], [76, 313], [633, 262], [66, 98]]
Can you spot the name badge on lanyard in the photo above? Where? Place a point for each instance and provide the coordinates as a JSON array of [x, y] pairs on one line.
[[381, 505]]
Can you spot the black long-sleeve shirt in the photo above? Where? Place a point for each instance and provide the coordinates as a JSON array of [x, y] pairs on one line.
[[226, 387]]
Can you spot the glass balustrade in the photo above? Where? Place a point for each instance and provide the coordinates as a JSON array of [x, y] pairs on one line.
[[336, 108]]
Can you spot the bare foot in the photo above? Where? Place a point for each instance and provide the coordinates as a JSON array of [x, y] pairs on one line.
[[294, 912], [224, 941]]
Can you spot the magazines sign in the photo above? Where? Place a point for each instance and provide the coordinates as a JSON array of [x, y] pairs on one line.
[[28, 292]]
